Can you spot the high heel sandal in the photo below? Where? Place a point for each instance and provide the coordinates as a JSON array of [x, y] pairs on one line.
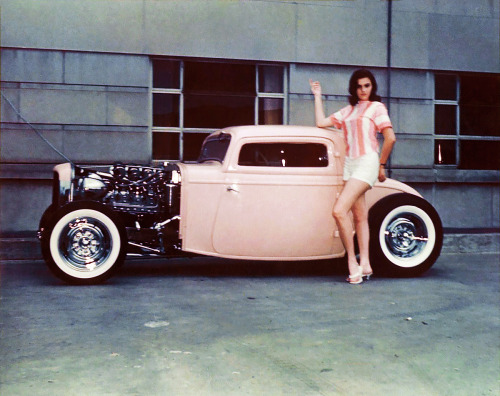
[[367, 276], [350, 278]]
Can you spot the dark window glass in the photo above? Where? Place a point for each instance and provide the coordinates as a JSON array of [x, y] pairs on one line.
[[165, 110], [445, 152], [271, 79], [479, 154], [219, 77], [284, 155], [480, 120], [166, 74], [215, 148], [445, 87], [192, 145], [480, 105], [445, 120], [165, 145], [270, 111], [480, 89], [209, 111]]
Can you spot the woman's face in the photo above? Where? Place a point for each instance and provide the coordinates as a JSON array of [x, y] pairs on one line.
[[364, 89]]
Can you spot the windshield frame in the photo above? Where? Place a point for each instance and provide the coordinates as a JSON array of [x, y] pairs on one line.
[[218, 154]]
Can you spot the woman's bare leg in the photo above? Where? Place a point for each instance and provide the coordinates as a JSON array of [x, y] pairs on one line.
[[352, 190], [360, 214]]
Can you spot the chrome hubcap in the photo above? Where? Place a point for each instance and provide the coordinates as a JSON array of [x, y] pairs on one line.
[[85, 243], [406, 236]]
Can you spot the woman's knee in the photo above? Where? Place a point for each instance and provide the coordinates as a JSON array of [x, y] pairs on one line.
[[339, 212]]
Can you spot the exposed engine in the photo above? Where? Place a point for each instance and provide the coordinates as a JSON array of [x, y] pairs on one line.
[[134, 189], [148, 199]]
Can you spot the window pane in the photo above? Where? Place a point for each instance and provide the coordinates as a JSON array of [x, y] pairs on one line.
[[271, 79], [219, 77], [445, 152], [166, 110], [480, 89], [284, 155], [192, 145], [445, 87], [165, 146], [270, 111], [445, 120], [208, 111], [479, 154], [480, 120], [166, 74]]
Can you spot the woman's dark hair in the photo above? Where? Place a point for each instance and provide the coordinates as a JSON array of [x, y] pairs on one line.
[[353, 86]]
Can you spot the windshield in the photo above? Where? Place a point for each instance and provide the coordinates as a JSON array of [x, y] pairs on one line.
[[215, 147]]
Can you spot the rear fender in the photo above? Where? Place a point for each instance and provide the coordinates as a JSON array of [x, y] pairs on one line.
[[386, 188]]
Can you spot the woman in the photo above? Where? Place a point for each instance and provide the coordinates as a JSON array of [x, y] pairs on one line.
[[360, 121]]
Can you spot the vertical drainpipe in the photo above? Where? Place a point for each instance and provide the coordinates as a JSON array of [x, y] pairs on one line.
[[389, 53]]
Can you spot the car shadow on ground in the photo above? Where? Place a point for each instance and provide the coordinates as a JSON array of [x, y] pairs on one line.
[[219, 267]]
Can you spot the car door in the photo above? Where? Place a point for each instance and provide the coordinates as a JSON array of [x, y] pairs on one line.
[[278, 199]]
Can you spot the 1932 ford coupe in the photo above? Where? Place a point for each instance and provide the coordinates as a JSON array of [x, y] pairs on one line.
[[256, 192]]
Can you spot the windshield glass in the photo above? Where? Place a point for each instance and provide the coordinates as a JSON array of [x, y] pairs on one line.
[[215, 147]]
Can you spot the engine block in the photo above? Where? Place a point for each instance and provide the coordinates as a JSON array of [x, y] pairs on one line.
[[139, 190]]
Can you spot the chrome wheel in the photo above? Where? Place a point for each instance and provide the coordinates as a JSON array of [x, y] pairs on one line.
[[85, 243], [406, 236]]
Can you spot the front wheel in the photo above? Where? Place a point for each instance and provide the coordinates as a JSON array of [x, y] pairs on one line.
[[85, 243], [406, 235]]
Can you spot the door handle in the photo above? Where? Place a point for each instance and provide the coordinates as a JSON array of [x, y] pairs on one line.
[[233, 187]]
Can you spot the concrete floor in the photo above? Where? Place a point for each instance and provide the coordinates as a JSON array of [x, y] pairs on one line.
[[205, 326]]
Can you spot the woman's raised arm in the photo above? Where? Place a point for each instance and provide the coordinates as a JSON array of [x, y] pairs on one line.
[[319, 112]]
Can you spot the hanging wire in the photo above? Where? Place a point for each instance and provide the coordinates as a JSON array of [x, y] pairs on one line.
[[36, 131]]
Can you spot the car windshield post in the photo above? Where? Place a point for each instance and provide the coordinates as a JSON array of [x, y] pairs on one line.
[[215, 148]]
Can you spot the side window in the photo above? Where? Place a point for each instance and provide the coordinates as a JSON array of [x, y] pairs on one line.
[[287, 155]]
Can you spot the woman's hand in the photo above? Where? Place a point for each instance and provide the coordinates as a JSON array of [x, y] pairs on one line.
[[381, 173], [319, 112], [315, 87]]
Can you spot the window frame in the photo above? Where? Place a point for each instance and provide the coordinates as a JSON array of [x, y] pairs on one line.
[[284, 145], [181, 130], [457, 137]]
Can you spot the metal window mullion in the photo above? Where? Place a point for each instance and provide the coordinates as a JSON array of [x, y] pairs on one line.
[[270, 95], [484, 138], [166, 90], [285, 95], [457, 145], [256, 100], [150, 110], [181, 111]]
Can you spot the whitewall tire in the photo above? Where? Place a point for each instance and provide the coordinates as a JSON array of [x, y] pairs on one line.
[[406, 235], [85, 243]]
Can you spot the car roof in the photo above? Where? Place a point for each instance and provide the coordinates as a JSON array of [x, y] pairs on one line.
[[240, 132]]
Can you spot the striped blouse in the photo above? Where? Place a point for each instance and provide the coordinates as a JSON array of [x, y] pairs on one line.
[[360, 124]]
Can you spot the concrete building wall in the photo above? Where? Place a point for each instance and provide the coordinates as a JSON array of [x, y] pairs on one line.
[[448, 35], [81, 73]]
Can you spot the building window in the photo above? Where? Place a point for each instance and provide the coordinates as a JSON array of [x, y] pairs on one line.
[[191, 99], [467, 120]]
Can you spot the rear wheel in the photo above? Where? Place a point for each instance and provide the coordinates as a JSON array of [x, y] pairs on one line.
[[406, 235], [85, 243]]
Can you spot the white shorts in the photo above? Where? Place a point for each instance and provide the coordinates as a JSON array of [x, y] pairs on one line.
[[364, 168]]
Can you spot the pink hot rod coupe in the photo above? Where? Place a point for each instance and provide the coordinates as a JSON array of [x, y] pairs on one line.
[[256, 192]]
